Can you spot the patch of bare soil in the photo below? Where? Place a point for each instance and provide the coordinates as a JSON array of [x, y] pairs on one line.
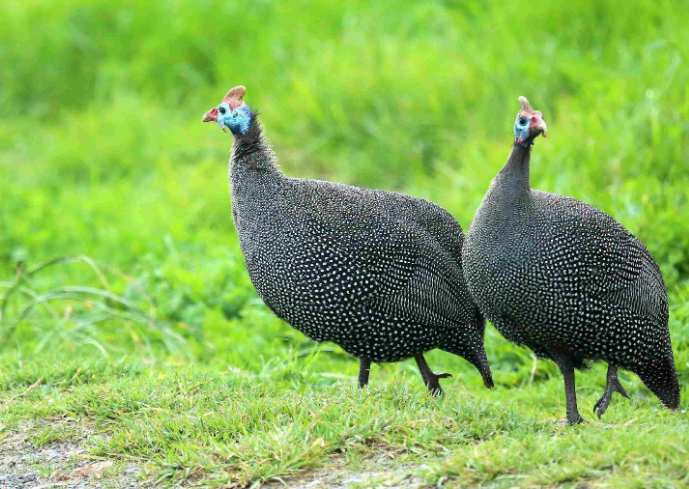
[[373, 474], [63, 464]]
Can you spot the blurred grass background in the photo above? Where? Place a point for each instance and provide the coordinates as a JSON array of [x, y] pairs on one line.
[[102, 153]]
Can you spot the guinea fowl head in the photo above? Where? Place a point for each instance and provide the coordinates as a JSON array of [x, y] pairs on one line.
[[232, 112], [528, 125]]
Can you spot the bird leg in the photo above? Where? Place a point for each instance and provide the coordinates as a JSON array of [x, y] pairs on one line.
[[430, 379], [567, 369], [612, 385], [364, 369]]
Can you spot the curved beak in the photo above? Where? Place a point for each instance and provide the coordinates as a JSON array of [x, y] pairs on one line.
[[541, 126], [211, 115]]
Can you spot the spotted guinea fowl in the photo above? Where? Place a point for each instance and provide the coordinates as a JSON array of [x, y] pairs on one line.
[[378, 273], [566, 280]]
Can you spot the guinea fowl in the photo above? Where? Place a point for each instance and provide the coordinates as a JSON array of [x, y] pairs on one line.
[[566, 280], [378, 273]]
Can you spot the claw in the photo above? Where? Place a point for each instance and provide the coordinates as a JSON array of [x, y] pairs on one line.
[[433, 384], [612, 385], [602, 405], [429, 378]]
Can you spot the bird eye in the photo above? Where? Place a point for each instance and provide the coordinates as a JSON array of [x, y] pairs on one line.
[[522, 120], [221, 109]]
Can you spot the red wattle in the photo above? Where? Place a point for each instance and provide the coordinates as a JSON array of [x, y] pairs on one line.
[[519, 141], [211, 115]]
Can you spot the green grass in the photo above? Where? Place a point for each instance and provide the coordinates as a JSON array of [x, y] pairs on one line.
[[158, 342], [202, 424]]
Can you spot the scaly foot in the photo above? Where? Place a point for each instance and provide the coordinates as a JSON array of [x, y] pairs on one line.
[[612, 385], [433, 384], [431, 380]]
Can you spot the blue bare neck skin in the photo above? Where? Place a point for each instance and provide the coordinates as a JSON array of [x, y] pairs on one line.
[[522, 134], [240, 120]]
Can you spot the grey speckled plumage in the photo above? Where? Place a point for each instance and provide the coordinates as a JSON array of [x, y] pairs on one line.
[[566, 280], [378, 273]]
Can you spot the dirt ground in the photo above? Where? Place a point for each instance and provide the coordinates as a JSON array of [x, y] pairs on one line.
[[375, 474], [59, 465]]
